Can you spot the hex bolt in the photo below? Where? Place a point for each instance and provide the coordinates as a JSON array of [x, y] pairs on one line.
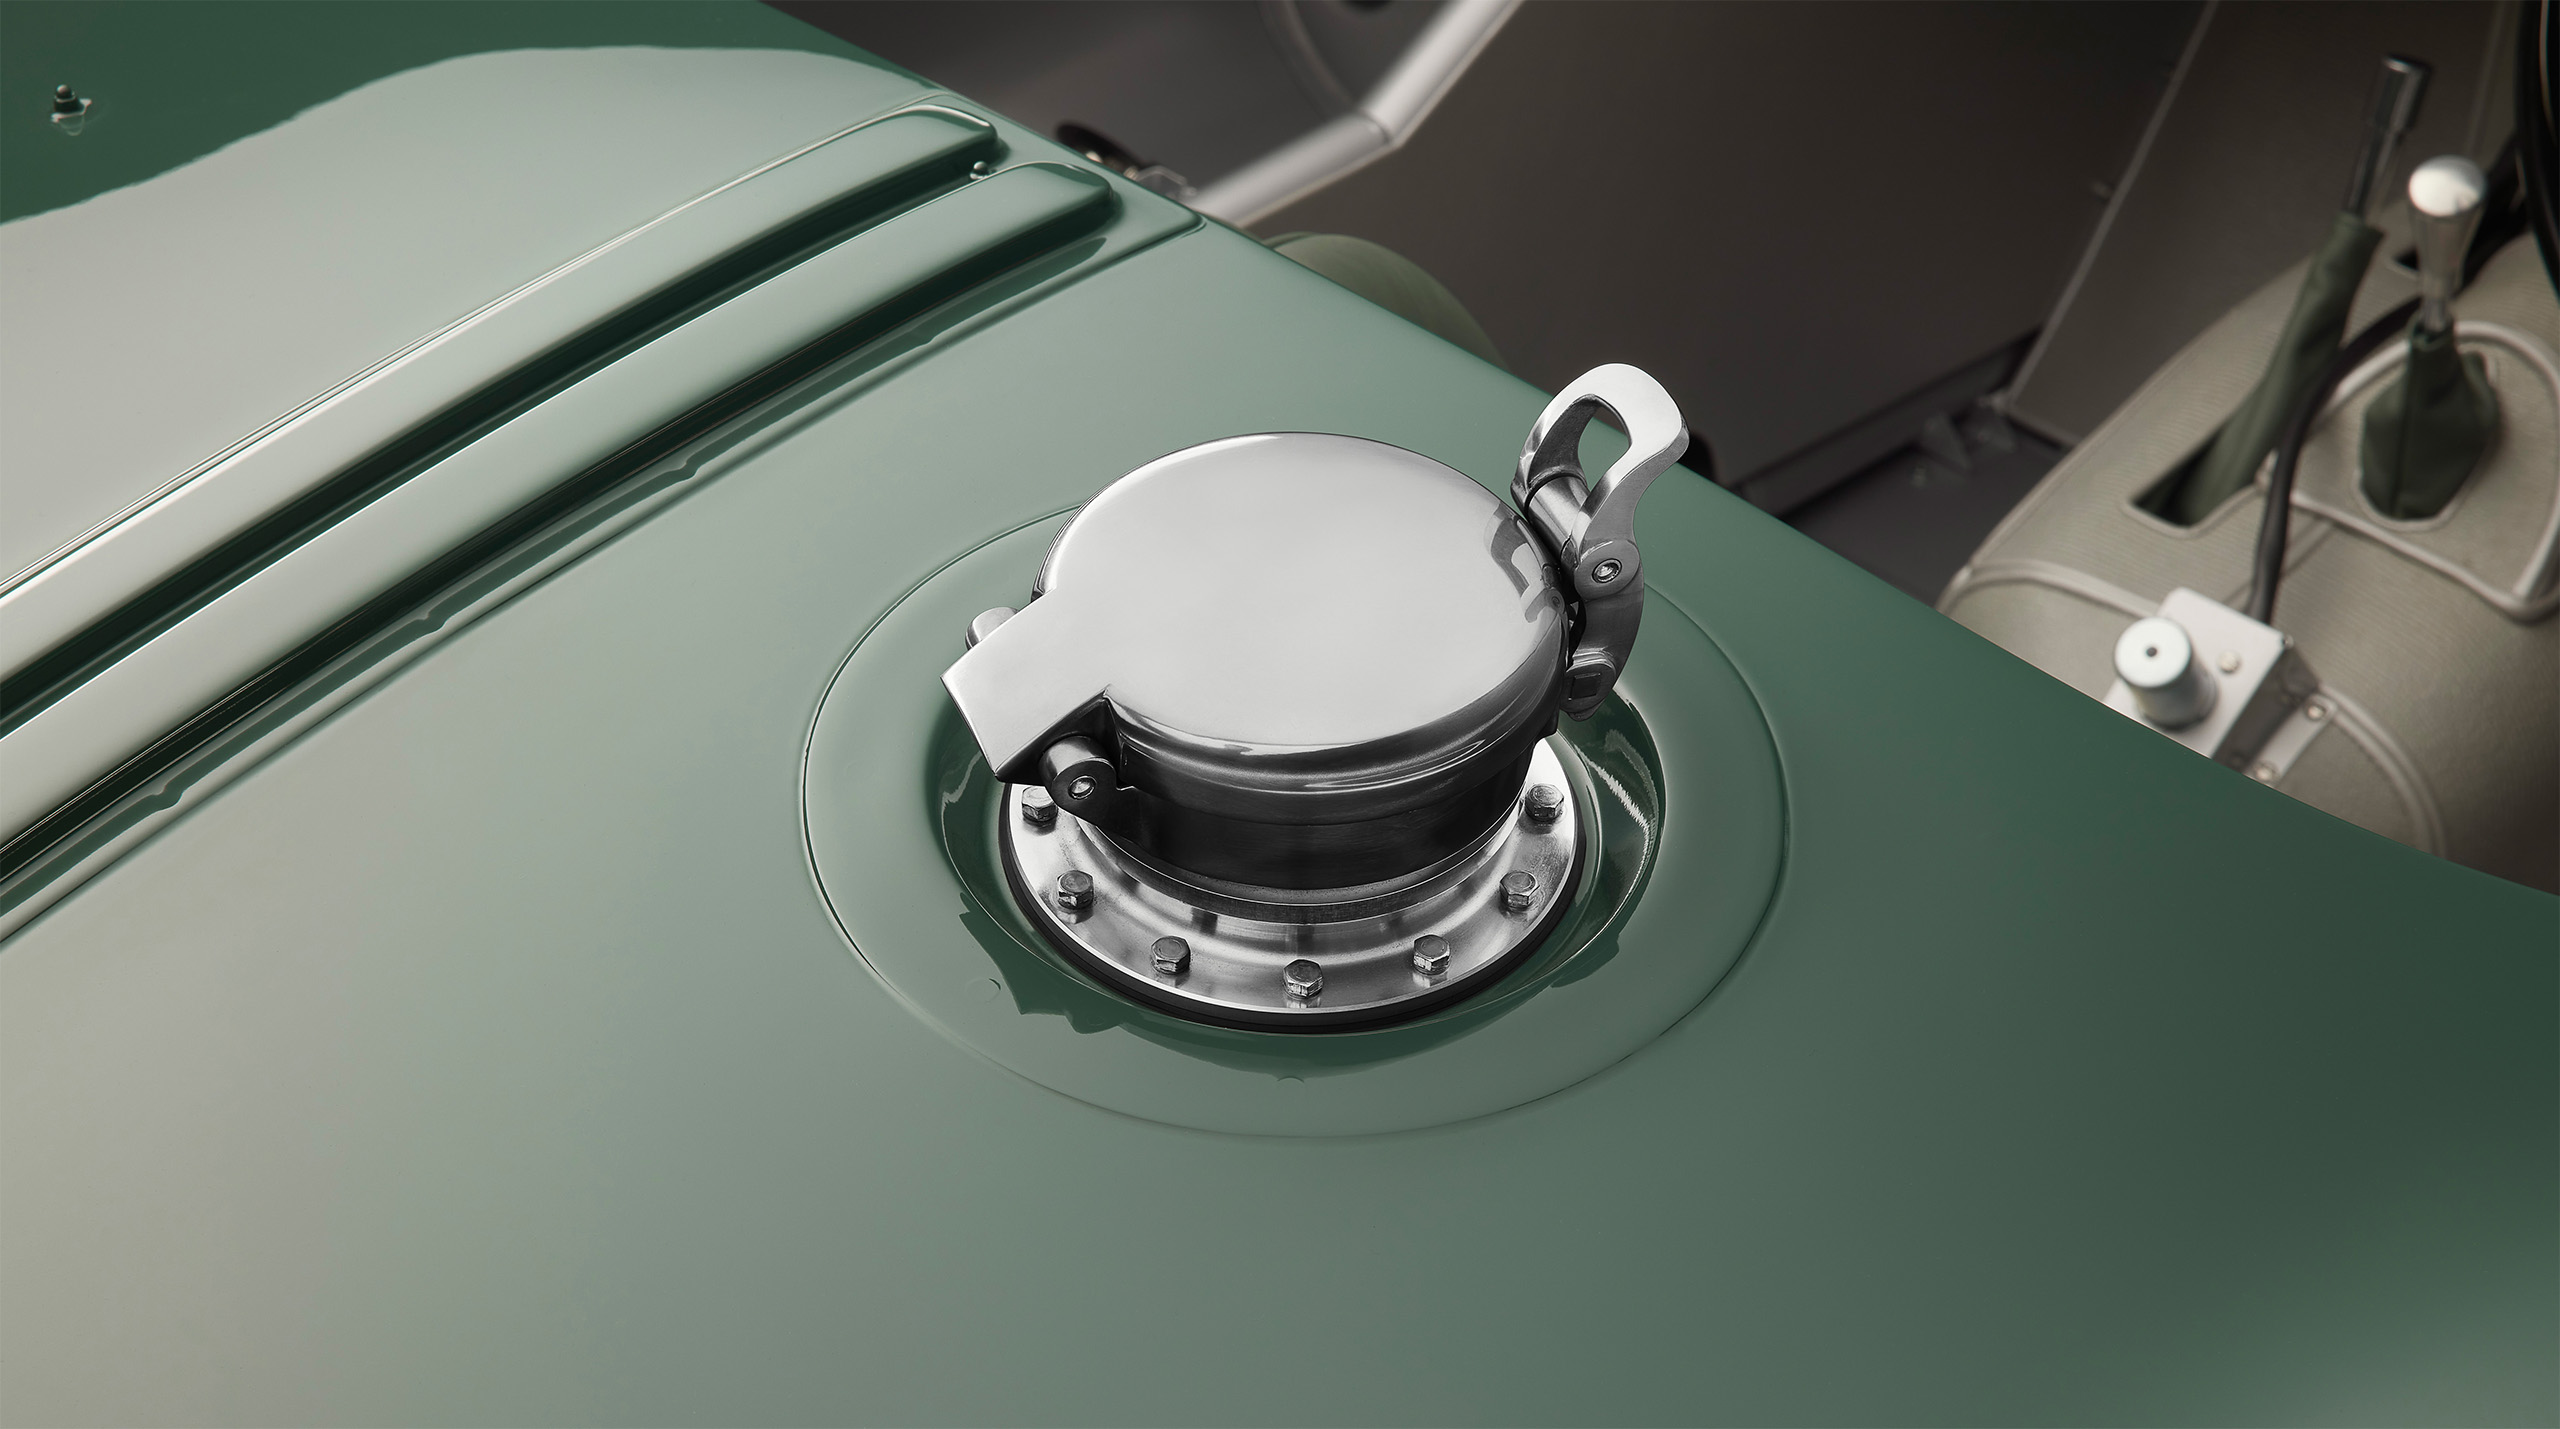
[[1519, 890], [1038, 809], [1075, 890], [1172, 956], [1545, 803], [1304, 977], [1431, 955], [1605, 572]]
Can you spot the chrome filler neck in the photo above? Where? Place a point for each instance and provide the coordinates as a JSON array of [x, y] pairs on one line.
[[1292, 693]]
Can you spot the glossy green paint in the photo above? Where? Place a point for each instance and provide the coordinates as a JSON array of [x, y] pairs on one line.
[[598, 423], [487, 1053], [175, 80]]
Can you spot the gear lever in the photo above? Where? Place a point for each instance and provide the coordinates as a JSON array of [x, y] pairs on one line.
[[2425, 433], [2444, 204]]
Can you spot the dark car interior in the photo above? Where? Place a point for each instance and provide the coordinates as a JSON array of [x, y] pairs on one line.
[[1900, 262], [1279, 711]]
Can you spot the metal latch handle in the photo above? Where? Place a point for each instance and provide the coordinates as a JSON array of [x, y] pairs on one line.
[[1590, 529]]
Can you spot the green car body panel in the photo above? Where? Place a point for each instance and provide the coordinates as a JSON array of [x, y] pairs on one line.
[[461, 1032], [178, 80]]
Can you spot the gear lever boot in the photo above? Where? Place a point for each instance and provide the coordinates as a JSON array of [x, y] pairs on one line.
[[2319, 318], [2424, 435], [2303, 349]]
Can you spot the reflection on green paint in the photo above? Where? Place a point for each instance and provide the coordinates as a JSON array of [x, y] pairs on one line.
[[175, 80]]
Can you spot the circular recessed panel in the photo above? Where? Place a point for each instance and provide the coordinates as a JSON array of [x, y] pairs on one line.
[[1676, 782]]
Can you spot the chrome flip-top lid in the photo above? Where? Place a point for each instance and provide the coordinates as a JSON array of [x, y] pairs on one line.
[[1289, 627], [1294, 661]]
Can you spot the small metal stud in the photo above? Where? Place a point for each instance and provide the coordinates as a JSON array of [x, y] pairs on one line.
[[1431, 955], [1075, 890], [2315, 711], [1082, 787], [1172, 956], [984, 624], [70, 109], [1519, 890], [1038, 809], [2230, 662], [981, 169], [1605, 572], [2263, 772], [1304, 977], [1545, 803]]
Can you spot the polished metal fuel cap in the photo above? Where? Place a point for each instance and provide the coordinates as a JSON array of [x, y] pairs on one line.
[[1304, 654], [1285, 701]]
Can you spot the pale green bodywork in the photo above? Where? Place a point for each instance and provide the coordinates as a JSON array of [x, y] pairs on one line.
[[487, 1051]]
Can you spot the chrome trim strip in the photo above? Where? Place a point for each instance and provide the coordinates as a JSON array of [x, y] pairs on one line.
[[1386, 117]]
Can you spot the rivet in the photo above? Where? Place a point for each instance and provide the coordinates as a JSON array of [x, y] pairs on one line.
[[1075, 890], [1545, 803], [1519, 890], [1431, 955], [1081, 788], [2263, 772], [2315, 711], [1172, 956], [2230, 662], [1038, 809], [1605, 572], [1304, 978], [980, 169]]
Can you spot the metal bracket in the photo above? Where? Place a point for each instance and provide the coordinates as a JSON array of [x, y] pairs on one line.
[[1589, 531], [2260, 682]]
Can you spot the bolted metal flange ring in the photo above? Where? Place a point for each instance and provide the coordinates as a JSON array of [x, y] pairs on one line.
[[1300, 961]]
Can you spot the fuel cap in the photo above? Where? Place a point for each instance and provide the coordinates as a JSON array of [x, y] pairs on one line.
[[1278, 707]]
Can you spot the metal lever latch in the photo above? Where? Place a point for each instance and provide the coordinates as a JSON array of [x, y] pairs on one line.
[[1590, 530]]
